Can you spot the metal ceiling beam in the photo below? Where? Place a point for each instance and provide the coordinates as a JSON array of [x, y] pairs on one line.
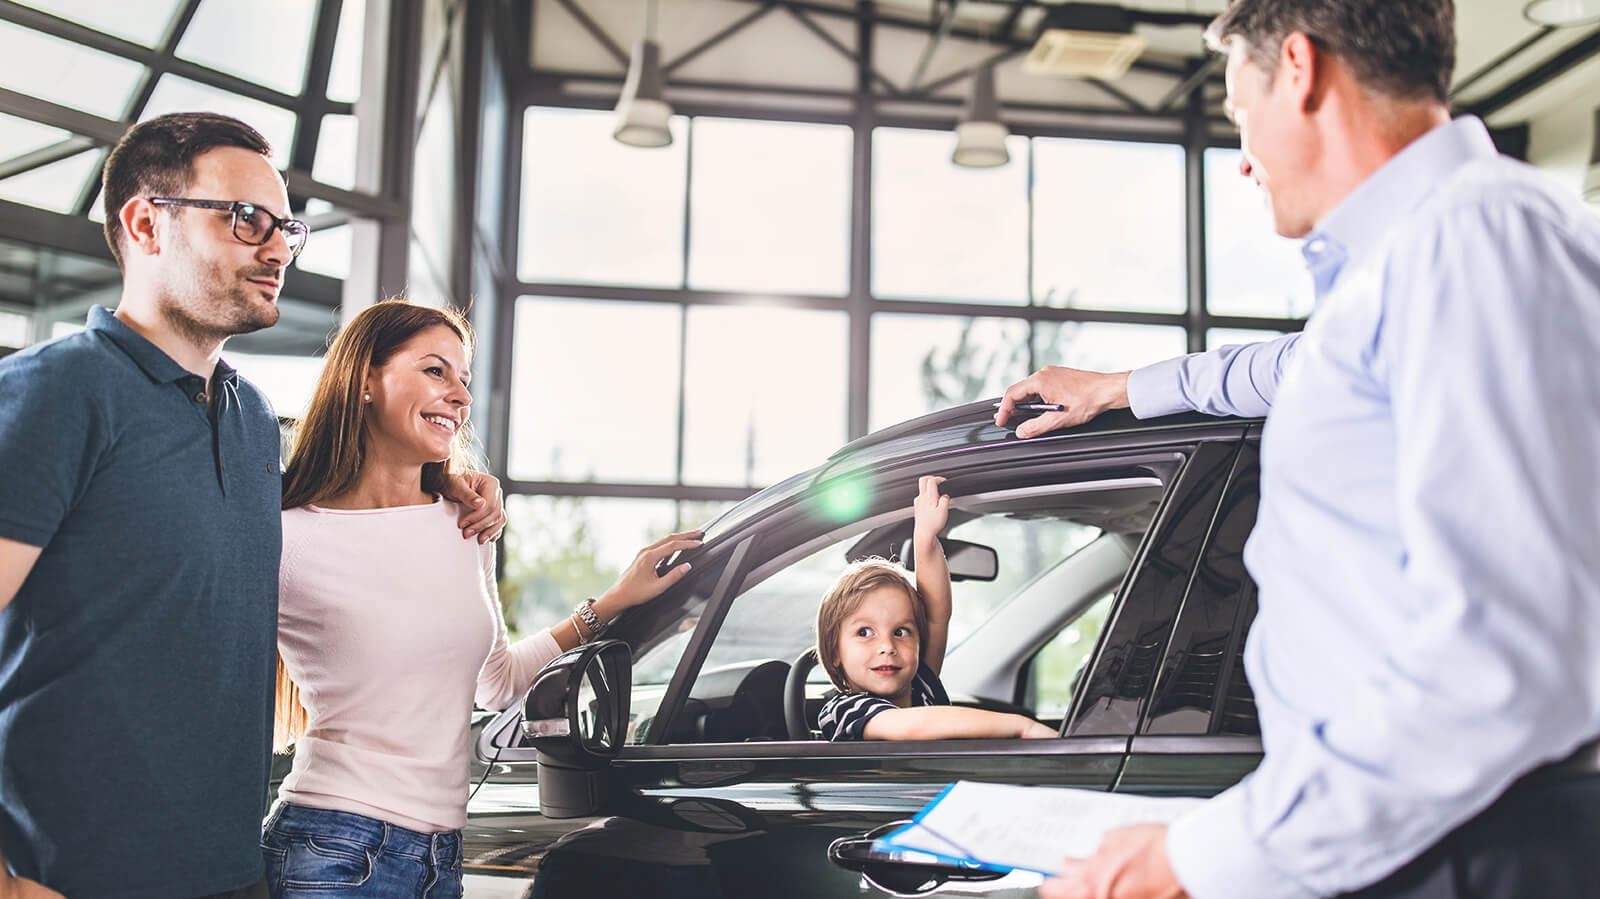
[[1145, 64], [166, 55], [719, 38], [543, 89], [1538, 77], [1200, 76], [1118, 94], [1494, 65], [944, 81], [595, 31], [42, 228], [107, 132], [319, 68], [941, 27], [38, 159], [100, 130], [852, 56], [1008, 28], [115, 46]]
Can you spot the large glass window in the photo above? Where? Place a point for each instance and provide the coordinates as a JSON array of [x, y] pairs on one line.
[[13, 330], [560, 549], [288, 381], [764, 393], [595, 211], [66, 73], [1104, 346], [1055, 674], [1250, 270], [1108, 225], [1221, 337], [344, 75], [770, 207], [141, 21], [20, 136], [594, 391], [944, 232], [328, 251], [925, 362], [336, 152], [213, 39], [55, 186], [276, 124]]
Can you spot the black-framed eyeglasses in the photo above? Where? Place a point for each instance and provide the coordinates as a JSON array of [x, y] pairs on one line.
[[251, 224]]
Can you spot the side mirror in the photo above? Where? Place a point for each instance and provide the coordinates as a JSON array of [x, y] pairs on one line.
[[967, 561], [576, 714]]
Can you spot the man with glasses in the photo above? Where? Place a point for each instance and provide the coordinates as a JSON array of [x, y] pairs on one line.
[[139, 541]]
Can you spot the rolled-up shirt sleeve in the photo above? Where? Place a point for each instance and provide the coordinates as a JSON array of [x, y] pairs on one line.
[[1487, 350], [1230, 380]]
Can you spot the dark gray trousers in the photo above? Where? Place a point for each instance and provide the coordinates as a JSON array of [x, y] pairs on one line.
[[1541, 840]]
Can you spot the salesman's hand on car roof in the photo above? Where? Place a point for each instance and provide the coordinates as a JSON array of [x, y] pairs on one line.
[[1085, 394]]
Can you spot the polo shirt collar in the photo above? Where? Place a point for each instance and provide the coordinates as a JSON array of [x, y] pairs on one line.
[[1357, 225], [157, 365]]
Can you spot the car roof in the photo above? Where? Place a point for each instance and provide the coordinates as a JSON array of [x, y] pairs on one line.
[[955, 430]]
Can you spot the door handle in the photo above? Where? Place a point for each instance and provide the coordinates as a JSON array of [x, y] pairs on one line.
[[901, 877]]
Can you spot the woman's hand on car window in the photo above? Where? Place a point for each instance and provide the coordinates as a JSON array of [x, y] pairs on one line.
[[640, 583]]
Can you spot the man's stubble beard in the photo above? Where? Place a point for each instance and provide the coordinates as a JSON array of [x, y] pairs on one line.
[[211, 306]]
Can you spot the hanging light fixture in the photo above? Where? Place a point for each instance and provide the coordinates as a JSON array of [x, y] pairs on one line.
[[1559, 13], [980, 135], [643, 115], [1591, 178]]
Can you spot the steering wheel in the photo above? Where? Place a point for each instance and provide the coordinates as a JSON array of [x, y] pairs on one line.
[[794, 696]]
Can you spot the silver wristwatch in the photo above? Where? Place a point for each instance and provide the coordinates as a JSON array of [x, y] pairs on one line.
[[591, 621]]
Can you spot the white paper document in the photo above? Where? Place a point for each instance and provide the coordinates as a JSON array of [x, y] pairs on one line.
[[1032, 828]]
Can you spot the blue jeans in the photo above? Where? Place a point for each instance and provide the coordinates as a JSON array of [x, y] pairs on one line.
[[315, 853]]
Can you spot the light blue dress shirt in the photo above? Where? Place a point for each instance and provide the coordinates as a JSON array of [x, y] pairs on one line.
[[1428, 542]]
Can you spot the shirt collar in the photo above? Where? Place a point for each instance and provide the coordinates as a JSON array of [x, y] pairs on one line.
[[158, 366], [1357, 225]]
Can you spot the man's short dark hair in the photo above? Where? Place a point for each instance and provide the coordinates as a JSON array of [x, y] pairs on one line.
[[156, 159], [1405, 49]]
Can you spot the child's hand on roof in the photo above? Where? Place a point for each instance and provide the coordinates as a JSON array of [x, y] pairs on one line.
[[931, 510]]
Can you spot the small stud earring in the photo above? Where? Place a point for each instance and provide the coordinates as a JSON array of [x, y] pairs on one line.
[[366, 397]]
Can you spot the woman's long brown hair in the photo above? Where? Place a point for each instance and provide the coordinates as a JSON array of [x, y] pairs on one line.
[[330, 441]]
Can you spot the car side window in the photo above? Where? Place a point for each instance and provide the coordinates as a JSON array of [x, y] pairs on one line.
[[1052, 676], [1049, 545]]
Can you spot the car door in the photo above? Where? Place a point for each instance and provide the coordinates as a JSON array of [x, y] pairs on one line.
[[1199, 734], [760, 817]]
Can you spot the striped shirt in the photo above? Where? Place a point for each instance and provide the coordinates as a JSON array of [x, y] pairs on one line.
[[845, 715]]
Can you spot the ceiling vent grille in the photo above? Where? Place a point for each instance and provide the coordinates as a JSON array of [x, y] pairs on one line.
[[1086, 40]]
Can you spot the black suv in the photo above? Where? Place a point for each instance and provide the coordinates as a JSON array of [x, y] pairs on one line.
[[1099, 585]]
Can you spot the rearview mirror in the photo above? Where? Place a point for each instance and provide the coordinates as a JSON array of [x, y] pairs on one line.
[[576, 714], [967, 561]]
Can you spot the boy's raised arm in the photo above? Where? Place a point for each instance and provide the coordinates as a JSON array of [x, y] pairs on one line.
[[931, 512]]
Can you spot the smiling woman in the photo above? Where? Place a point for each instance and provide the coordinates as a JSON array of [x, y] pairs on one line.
[[390, 620]]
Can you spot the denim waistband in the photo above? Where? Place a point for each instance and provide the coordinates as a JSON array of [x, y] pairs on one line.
[[443, 848]]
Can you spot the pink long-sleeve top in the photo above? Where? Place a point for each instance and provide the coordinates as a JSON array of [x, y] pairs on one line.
[[390, 624]]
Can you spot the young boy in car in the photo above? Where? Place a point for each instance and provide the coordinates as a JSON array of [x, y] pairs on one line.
[[881, 640]]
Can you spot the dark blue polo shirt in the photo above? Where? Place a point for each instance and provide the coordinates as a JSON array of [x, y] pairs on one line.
[[136, 662]]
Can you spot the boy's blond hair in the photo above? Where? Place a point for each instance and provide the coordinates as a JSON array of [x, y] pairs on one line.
[[846, 596]]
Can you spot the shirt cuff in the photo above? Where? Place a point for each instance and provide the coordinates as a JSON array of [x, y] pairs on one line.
[[1214, 855], [1156, 390]]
